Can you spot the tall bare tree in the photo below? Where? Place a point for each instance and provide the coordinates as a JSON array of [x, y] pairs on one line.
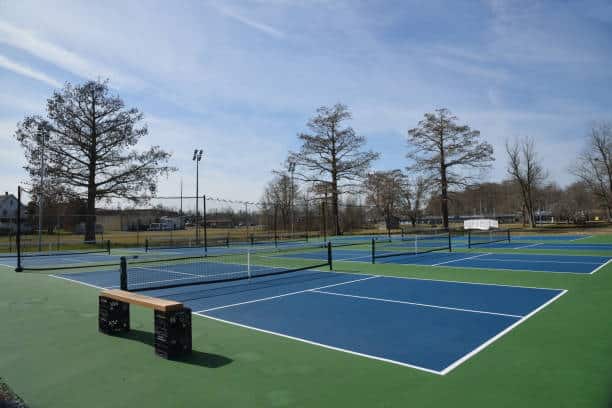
[[332, 155], [442, 150], [594, 165], [527, 173], [87, 142], [384, 190]]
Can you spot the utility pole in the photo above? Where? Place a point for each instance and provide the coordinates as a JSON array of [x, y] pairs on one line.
[[197, 156]]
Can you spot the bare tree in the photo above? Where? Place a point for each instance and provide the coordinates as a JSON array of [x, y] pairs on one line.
[[332, 155], [440, 149], [526, 171], [414, 192], [384, 190], [594, 165], [279, 198], [87, 142]]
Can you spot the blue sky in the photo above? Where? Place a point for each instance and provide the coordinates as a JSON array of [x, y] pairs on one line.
[[240, 79]]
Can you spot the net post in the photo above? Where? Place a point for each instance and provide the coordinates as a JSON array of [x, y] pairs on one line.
[[252, 239], [249, 264], [450, 244], [108, 246], [123, 274], [509, 235], [416, 243], [227, 240], [469, 238], [19, 268], [147, 244], [329, 255], [373, 250]]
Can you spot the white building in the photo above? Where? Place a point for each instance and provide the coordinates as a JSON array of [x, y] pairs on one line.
[[8, 212]]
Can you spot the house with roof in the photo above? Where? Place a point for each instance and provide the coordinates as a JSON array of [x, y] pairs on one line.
[[8, 213]]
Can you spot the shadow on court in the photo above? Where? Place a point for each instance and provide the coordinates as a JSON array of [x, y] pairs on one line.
[[196, 358]]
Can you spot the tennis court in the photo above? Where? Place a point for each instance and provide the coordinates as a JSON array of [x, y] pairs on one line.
[[479, 260], [430, 325], [528, 245]]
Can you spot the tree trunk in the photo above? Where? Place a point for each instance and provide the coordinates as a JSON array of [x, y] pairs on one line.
[[90, 222], [443, 184], [335, 210]]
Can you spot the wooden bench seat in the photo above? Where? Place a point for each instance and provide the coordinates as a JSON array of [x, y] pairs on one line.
[[172, 320], [162, 305]]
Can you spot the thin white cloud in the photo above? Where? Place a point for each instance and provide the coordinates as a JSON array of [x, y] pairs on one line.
[[21, 69], [28, 41], [265, 28]]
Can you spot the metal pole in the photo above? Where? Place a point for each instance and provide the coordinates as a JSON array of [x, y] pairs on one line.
[[197, 200], [292, 201], [246, 219], [205, 222], [181, 210], [18, 236], [324, 220]]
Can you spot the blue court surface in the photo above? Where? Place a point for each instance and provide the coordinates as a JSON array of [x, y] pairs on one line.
[[54, 260], [552, 237], [482, 260], [525, 245], [429, 325]]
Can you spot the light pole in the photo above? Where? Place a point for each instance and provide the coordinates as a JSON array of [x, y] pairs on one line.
[[197, 156], [42, 138], [292, 170]]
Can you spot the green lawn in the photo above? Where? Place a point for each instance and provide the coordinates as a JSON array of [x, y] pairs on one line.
[[52, 355]]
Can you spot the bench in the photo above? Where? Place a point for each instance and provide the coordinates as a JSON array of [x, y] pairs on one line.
[[172, 320]]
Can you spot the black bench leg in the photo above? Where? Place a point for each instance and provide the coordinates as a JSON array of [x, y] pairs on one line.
[[113, 316], [173, 333]]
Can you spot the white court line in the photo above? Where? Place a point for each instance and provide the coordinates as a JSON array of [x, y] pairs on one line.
[[285, 294], [461, 259], [403, 302], [478, 349], [327, 346], [601, 267], [495, 268], [528, 246], [540, 261], [77, 281], [578, 239]]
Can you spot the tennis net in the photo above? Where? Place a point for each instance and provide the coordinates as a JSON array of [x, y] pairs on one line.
[[411, 245], [66, 248], [154, 243], [149, 274], [478, 237]]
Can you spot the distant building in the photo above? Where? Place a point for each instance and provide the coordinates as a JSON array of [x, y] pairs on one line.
[[8, 213]]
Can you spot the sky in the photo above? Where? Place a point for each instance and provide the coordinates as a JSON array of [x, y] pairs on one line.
[[241, 79]]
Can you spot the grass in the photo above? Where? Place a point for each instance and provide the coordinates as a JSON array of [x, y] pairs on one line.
[[52, 355]]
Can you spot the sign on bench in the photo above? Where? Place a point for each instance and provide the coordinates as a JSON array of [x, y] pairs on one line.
[[172, 320]]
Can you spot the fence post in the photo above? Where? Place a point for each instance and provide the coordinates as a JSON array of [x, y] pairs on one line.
[[205, 223], [19, 268]]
